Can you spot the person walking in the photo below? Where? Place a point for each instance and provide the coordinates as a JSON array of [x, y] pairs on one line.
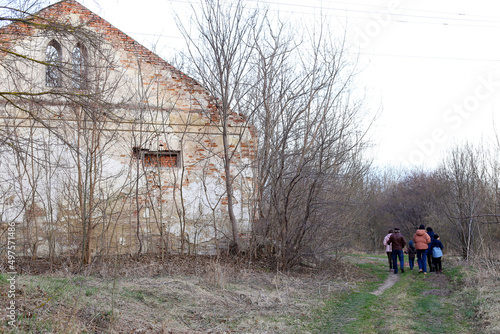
[[388, 249], [436, 249], [411, 251], [398, 242], [430, 232], [421, 240]]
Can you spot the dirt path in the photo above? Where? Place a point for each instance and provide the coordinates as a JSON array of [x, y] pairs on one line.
[[388, 283], [390, 280], [408, 302]]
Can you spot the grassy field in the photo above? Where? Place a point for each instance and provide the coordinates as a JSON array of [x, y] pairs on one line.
[[416, 303], [205, 296]]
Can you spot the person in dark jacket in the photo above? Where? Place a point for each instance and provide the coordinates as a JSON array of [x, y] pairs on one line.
[[397, 241], [436, 256], [430, 232], [411, 251]]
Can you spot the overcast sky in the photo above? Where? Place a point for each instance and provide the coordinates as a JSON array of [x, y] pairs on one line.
[[431, 67]]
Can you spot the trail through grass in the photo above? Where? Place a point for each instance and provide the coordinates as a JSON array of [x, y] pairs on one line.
[[416, 303]]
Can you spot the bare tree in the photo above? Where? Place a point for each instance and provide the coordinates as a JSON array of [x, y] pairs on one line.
[[311, 141], [69, 105], [465, 174], [296, 91], [221, 52]]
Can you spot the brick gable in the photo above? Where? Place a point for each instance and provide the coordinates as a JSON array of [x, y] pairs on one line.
[[153, 109]]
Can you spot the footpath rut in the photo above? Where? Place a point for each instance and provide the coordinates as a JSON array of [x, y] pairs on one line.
[[408, 302], [388, 283]]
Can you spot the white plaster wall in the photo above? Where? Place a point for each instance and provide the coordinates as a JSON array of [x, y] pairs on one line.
[[152, 107]]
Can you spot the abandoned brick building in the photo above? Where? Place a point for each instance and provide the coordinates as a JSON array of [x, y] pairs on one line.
[[104, 144]]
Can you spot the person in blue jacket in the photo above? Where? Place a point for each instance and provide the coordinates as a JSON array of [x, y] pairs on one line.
[[436, 249], [430, 232]]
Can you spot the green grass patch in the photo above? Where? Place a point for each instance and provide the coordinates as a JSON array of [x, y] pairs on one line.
[[44, 298], [456, 274], [414, 304], [134, 294], [375, 269], [351, 312], [364, 256], [33, 325], [90, 291], [3, 279]]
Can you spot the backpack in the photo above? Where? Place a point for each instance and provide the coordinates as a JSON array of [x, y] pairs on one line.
[[437, 252]]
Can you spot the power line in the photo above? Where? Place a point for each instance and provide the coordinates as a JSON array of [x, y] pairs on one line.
[[428, 57], [315, 7], [412, 10], [178, 38]]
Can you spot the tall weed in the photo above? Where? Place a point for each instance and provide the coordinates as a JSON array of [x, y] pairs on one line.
[[482, 281]]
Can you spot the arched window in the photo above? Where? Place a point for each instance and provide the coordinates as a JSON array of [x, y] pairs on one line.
[[53, 76], [78, 61]]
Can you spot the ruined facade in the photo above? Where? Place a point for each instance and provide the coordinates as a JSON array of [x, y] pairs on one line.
[[106, 148]]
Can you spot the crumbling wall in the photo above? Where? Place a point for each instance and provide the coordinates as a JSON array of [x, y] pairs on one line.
[[95, 153]]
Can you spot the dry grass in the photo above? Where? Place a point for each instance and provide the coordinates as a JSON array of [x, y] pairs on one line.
[[180, 295], [202, 295], [484, 280]]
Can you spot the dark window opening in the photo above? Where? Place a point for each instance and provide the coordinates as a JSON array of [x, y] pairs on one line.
[[160, 159], [79, 72], [53, 77], [157, 159]]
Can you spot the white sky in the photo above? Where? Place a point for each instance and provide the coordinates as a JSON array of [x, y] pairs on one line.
[[431, 67]]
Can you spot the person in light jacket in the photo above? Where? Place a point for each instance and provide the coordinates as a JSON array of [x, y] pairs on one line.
[[421, 240], [436, 258], [430, 264], [388, 249]]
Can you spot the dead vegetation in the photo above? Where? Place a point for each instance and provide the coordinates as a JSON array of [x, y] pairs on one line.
[[176, 295], [482, 289]]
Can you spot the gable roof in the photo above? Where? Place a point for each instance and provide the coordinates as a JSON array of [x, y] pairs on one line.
[[60, 13], [58, 16]]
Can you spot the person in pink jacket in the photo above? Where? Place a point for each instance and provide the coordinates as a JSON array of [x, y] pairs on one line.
[[421, 240], [388, 249]]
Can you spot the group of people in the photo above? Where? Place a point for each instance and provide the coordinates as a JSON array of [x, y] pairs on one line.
[[425, 245]]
